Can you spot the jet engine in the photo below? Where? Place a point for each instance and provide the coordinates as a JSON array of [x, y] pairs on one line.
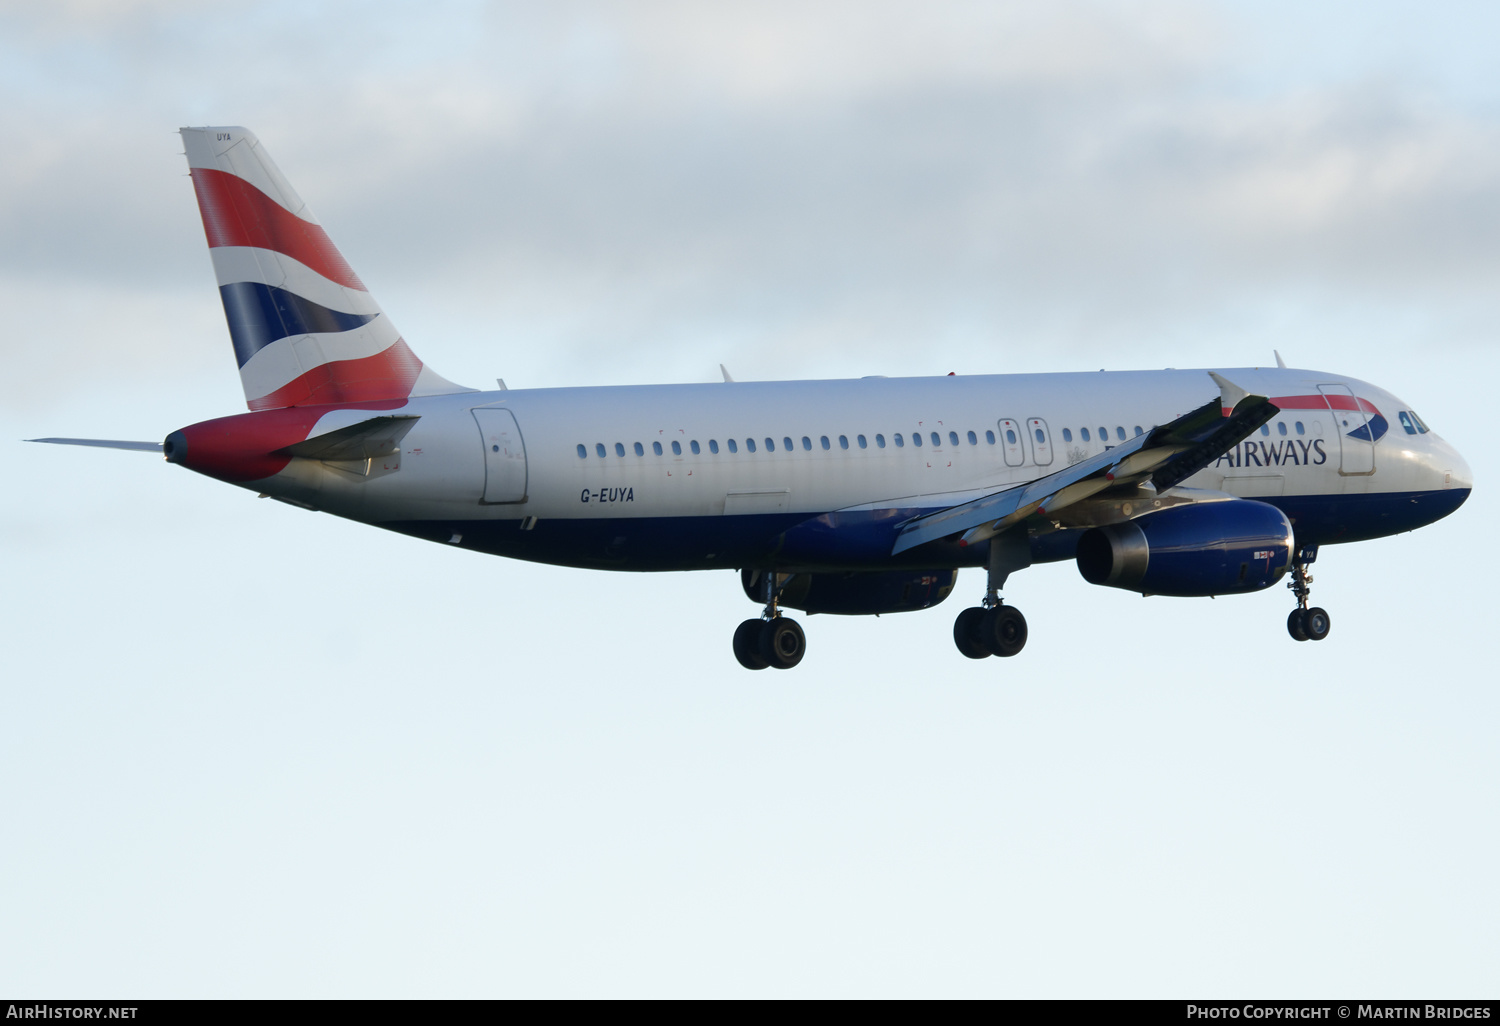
[[857, 593], [1215, 548]]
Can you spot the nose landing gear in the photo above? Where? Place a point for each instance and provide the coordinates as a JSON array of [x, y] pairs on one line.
[[773, 639], [1305, 623]]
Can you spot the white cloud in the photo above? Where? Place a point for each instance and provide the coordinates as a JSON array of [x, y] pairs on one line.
[[781, 180]]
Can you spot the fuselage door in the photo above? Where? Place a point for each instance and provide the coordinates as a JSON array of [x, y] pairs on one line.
[[1041, 441], [1010, 437], [1356, 454], [504, 457]]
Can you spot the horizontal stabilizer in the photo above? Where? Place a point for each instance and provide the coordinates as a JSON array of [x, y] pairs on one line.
[[103, 443], [1164, 457], [369, 439]]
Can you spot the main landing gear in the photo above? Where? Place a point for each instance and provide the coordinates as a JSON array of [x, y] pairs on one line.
[[772, 640], [1304, 623], [983, 631], [993, 628]]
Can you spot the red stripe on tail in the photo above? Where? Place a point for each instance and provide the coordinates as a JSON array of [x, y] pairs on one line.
[[236, 213], [386, 375]]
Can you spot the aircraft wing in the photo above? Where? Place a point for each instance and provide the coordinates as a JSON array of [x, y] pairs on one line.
[[103, 443], [1164, 456]]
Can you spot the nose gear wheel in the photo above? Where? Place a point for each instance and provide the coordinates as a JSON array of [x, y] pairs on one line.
[[1305, 623]]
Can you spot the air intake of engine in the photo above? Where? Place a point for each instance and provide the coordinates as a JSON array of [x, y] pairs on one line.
[[1216, 548]]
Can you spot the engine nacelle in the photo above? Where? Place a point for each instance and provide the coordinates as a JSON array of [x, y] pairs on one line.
[[1216, 548], [857, 594]]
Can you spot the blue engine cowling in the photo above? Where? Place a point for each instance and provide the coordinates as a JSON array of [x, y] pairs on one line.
[[857, 594], [1215, 548]]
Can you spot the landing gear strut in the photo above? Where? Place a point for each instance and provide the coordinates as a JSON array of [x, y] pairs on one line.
[[773, 639], [993, 628], [1305, 623]]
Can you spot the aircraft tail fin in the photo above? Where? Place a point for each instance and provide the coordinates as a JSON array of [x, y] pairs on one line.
[[305, 330]]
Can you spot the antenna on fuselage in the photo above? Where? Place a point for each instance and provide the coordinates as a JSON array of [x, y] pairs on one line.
[[724, 371], [1279, 361]]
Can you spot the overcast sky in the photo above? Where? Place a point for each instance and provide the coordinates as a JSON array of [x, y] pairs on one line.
[[252, 751]]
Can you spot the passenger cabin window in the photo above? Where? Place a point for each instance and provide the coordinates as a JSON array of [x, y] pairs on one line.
[[1138, 431], [1040, 437], [639, 449], [1067, 434], [1119, 433], [880, 441], [899, 442], [1104, 434], [936, 441], [713, 446], [1265, 429], [786, 443], [619, 449], [676, 448], [656, 448], [823, 441], [770, 445], [1300, 429], [806, 443], [862, 443], [843, 441], [734, 446], [599, 448], [973, 438], [583, 452], [916, 438], [749, 445], [1281, 427], [952, 437], [1083, 433], [1010, 437], [693, 445], [990, 437]]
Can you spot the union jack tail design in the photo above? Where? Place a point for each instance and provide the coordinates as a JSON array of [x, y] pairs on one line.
[[305, 330]]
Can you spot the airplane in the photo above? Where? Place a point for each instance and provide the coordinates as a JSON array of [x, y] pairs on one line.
[[854, 497]]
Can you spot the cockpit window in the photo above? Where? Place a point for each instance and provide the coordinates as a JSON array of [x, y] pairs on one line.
[[1420, 426], [1406, 423]]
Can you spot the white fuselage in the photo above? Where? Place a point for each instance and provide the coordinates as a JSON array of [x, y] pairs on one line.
[[767, 455]]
